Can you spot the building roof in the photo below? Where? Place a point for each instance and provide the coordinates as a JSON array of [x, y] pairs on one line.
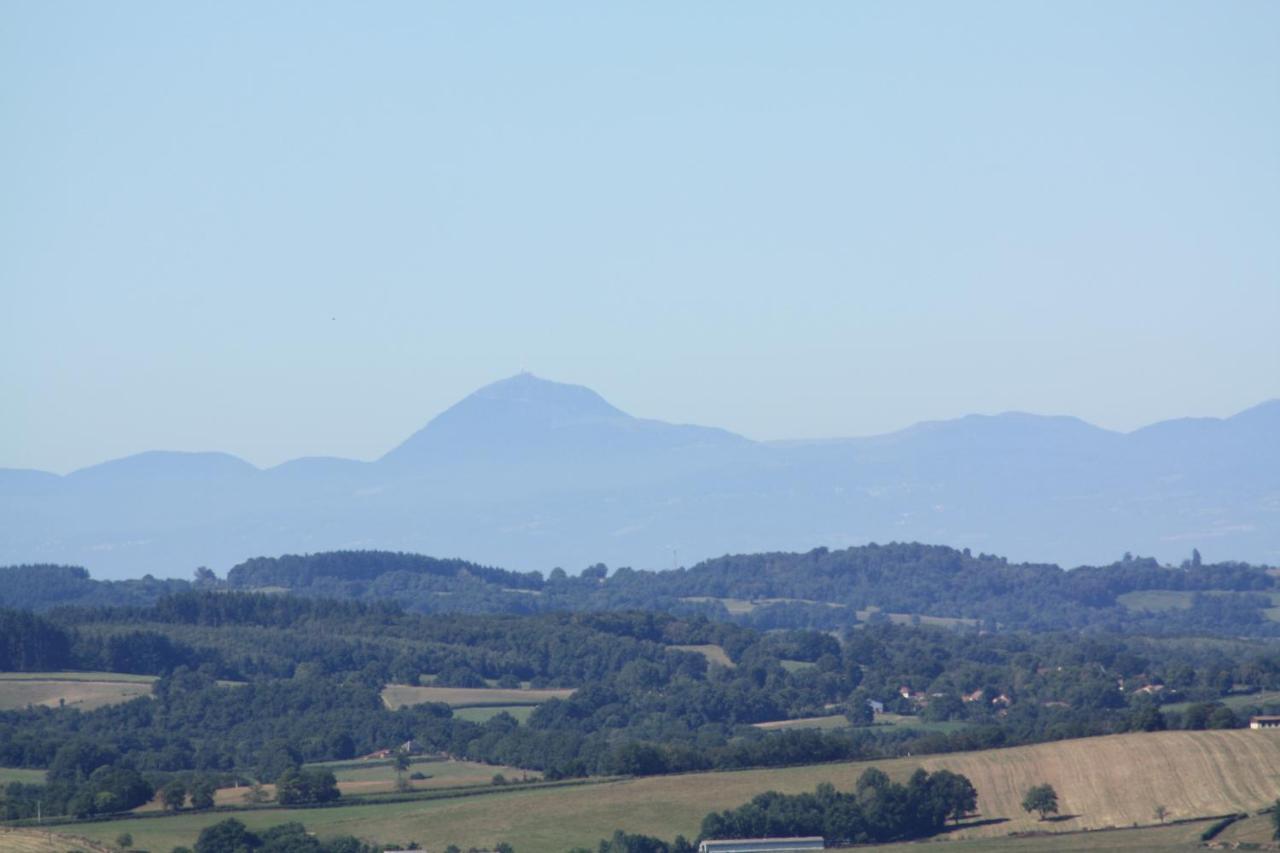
[[809, 842], [806, 838]]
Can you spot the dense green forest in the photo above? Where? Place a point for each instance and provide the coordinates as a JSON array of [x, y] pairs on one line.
[[307, 673], [819, 589]]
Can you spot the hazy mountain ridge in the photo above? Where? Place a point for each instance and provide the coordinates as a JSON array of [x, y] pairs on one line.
[[532, 474]]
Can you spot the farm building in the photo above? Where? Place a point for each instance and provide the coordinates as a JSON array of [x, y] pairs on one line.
[[762, 845], [1264, 722]]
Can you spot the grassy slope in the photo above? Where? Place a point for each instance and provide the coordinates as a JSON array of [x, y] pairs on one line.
[[1111, 781]]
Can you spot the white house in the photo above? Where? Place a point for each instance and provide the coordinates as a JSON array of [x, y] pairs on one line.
[[763, 845]]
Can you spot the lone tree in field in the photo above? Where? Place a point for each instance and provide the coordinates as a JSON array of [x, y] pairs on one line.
[[202, 794], [1042, 799], [1161, 813], [174, 795], [402, 764]]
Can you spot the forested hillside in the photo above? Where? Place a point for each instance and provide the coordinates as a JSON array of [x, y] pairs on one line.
[[822, 588]]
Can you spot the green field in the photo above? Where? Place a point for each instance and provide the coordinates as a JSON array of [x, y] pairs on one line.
[[914, 722], [912, 618], [838, 721], [400, 695], [735, 606], [442, 773], [797, 665], [831, 721], [1239, 700], [83, 690], [1102, 782], [25, 775], [739, 606], [1159, 600]]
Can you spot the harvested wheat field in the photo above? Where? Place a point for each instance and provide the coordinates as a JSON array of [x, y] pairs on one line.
[[400, 695], [85, 691], [1170, 838], [1119, 780]]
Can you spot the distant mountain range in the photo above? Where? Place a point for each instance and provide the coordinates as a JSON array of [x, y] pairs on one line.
[[531, 474]]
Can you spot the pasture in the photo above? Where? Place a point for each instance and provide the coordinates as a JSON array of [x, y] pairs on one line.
[[402, 695], [1114, 781], [377, 778], [83, 690]]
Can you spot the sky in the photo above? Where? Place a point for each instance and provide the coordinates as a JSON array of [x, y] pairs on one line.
[[285, 229]]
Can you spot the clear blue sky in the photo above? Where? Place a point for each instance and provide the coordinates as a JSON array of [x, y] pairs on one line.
[[281, 229]]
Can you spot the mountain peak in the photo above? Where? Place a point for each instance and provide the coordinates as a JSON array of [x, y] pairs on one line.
[[526, 389], [527, 417]]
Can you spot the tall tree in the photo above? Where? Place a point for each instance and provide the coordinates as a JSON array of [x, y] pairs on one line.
[[1042, 799]]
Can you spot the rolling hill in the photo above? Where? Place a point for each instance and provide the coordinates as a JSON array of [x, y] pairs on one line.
[[1101, 782]]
